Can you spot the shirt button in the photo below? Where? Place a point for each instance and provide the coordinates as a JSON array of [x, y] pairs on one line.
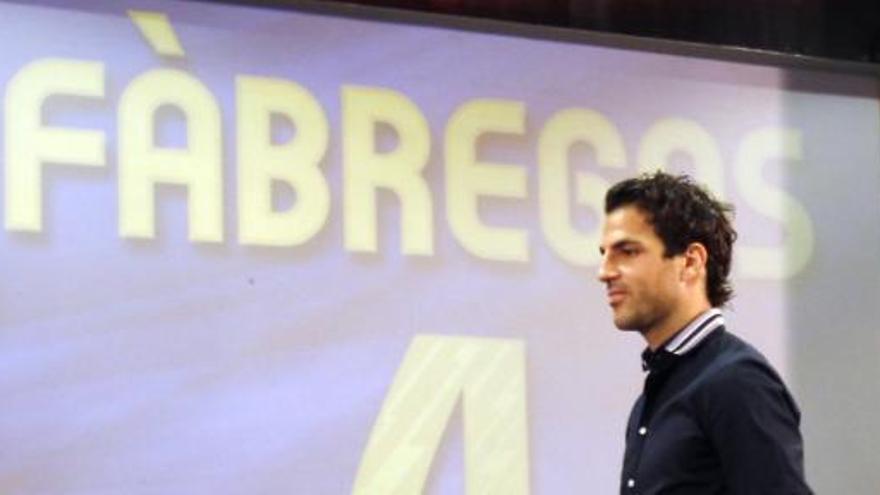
[[630, 482], [643, 430]]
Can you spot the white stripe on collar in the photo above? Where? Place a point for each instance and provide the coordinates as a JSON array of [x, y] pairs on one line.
[[696, 331]]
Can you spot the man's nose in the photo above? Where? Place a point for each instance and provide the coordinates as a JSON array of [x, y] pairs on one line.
[[607, 271]]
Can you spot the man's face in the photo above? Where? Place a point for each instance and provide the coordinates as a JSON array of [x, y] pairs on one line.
[[642, 285]]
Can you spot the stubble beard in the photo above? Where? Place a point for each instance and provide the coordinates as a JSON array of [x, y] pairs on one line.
[[640, 319]]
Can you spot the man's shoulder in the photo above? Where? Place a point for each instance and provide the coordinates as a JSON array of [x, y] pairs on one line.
[[738, 374], [731, 350], [733, 362]]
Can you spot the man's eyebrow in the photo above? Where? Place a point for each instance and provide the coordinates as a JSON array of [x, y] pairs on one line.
[[623, 243]]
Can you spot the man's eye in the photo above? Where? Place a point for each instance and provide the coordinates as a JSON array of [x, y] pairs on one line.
[[629, 251]]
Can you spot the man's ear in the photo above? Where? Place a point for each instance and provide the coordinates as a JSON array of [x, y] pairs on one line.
[[695, 259]]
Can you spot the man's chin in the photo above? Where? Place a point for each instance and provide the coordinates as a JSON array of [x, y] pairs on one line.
[[627, 329], [626, 325]]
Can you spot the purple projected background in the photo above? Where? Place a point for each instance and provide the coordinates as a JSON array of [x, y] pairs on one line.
[[170, 366]]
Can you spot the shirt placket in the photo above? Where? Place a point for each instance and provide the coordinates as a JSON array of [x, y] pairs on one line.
[[639, 433]]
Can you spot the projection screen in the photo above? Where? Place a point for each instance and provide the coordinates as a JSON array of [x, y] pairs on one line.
[[252, 250]]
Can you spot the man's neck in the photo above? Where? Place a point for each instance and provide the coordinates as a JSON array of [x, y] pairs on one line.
[[661, 333]]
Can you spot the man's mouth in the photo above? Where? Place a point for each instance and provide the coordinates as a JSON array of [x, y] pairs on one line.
[[615, 296]]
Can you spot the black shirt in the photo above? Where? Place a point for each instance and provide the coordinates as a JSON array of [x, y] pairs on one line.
[[714, 418]]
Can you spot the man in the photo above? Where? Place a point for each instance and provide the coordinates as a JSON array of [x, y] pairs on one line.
[[714, 417]]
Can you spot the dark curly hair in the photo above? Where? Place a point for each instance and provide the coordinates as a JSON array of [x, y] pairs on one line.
[[681, 213]]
